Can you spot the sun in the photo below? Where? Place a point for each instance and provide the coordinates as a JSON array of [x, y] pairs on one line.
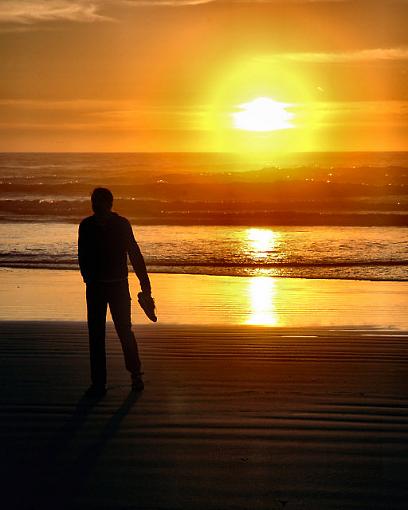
[[263, 114]]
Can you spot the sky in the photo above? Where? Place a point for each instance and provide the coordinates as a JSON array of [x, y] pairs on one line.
[[130, 75]]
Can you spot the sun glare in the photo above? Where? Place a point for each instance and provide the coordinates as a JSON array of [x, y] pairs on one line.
[[263, 114], [262, 298], [262, 241]]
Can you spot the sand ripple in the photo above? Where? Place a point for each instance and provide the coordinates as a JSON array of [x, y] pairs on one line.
[[231, 418]]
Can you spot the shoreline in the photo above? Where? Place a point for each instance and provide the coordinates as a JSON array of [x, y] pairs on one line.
[[271, 220], [263, 271]]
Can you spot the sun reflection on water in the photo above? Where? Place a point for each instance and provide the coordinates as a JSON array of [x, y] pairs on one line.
[[262, 301], [262, 241]]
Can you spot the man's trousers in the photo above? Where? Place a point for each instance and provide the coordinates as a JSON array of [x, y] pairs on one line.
[[98, 296]]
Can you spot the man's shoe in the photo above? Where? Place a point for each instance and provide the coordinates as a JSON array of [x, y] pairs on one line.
[[137, 383], [95, 391], [147, 304]]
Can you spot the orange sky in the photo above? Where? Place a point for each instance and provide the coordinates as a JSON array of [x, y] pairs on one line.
[[167, 75]]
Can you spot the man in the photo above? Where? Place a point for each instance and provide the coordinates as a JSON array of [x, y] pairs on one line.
[[104, 241]]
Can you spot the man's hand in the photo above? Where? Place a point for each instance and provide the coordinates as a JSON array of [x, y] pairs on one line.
[[147, 304]]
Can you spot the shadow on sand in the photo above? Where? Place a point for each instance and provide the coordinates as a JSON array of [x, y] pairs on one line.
[[61, 474]]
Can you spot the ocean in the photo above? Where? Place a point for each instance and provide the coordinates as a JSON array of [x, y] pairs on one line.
[[340, 216]]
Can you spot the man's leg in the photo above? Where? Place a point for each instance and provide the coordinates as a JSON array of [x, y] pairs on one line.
[[97, 305], [119, 304]]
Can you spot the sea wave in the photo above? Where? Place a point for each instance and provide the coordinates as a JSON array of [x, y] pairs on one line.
[[11, 258], [379, 270], [210, 189], [377, 253]]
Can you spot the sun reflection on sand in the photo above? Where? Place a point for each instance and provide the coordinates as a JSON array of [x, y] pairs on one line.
[[262, 301], [262, 241]]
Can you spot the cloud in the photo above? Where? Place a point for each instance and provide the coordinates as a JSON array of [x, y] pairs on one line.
[[168, 3], [180, 3], [367, 55], [197, 2], [34, 11], [30, 12], [98, 114]]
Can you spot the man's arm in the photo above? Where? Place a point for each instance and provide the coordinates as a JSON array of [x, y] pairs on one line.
[[137, 261], [83, 253]]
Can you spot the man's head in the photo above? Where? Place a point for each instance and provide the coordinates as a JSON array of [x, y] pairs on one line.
[[102, 200]]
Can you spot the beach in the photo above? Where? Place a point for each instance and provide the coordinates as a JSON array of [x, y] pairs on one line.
[[245, 163], [288, 404], [231, 417]]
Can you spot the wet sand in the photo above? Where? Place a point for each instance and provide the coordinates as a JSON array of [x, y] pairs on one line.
[[232, 417], [38, 294]]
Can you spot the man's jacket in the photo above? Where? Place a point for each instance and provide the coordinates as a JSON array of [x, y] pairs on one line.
[[103, 246]]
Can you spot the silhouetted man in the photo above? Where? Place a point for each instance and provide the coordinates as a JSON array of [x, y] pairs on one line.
[[104, 241]]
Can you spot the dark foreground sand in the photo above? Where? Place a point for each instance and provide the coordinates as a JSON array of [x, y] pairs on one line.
[[231, 418]]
